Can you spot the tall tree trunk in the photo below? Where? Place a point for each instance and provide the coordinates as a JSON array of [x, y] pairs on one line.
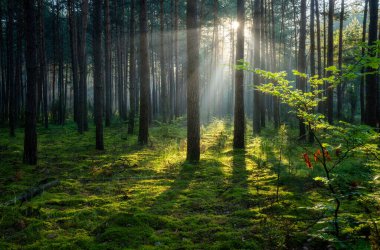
[[74, 56], [340, 62], [239, 116], [108, 63], [301, 82], [319, 51], [312, 51], [145, 78], [42, 61], [372, 86], [82, 58], [164, 90], [176, 63], [18, 66], [362, 79], [10, 70], [256, 63], [132, 70], [98, 84], [330, 61], [30, 139], [193, 122]]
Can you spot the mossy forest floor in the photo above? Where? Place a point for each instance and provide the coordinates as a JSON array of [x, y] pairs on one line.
[[133, 197]]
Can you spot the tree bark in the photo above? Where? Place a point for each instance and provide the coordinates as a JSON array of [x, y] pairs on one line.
[[372, 87], [82, 60], [301, 82], [193, 122], [10, 70], [164, 90], [256, 64], [108, 63], [30, 139], [330, 61], [362, 79], [132, 70], [239, 115], [340, 62], [98, 83], [74, 56], [144, 77]]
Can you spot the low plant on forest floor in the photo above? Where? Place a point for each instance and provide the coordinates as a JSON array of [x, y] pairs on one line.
[[342, 138]]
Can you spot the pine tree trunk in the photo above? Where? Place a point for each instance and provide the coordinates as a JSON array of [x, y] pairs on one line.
[[10, 70], [330, 61], [256, 64], [108, 64], [193, 122], [30, 139], [319, 51], [144, 77], [42, 61], [312, 51], [98, 84], [74, 56], [301, 82], [362, 80], [239, 115], [132, 70], [164, 90], [82, 60], [372, 86], [340, 62]]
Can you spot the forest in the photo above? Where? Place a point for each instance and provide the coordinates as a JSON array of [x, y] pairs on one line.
[[189, 124]]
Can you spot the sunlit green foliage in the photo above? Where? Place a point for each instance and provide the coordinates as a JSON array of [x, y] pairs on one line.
[[148, 197]]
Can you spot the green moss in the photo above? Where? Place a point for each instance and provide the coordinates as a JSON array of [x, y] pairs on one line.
[[133, 197]]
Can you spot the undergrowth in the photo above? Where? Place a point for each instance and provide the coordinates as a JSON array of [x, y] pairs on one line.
[[131, 197]]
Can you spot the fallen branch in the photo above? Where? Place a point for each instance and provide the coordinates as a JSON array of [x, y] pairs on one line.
[[33, 192]]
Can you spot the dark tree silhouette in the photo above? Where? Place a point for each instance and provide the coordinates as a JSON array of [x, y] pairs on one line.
[[372, 86], [144, 76], [98, 83], [30, 140], [301, 67], [132, 70], [239, 116], [193, 126], [330, 60]]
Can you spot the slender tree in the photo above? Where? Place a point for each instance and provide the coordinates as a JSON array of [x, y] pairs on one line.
[[144, 77], [301, 62], [74, 56], [82, 60], [132, 70], [193, 122], [362, 79], [42, 61], [178, 86], [30, 139], [239, 116], [10, 70], [372, 86], [340, 63], [107, 63], [256, 63], [164, 91], [330, 60], [98, 84]]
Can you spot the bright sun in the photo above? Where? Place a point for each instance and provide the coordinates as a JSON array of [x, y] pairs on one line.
[[235, 25]]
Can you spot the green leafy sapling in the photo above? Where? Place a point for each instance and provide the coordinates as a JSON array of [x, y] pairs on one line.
[[343, 138]]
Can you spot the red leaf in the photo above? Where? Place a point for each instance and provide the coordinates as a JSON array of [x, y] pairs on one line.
[[317, 154], [307, 160]]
